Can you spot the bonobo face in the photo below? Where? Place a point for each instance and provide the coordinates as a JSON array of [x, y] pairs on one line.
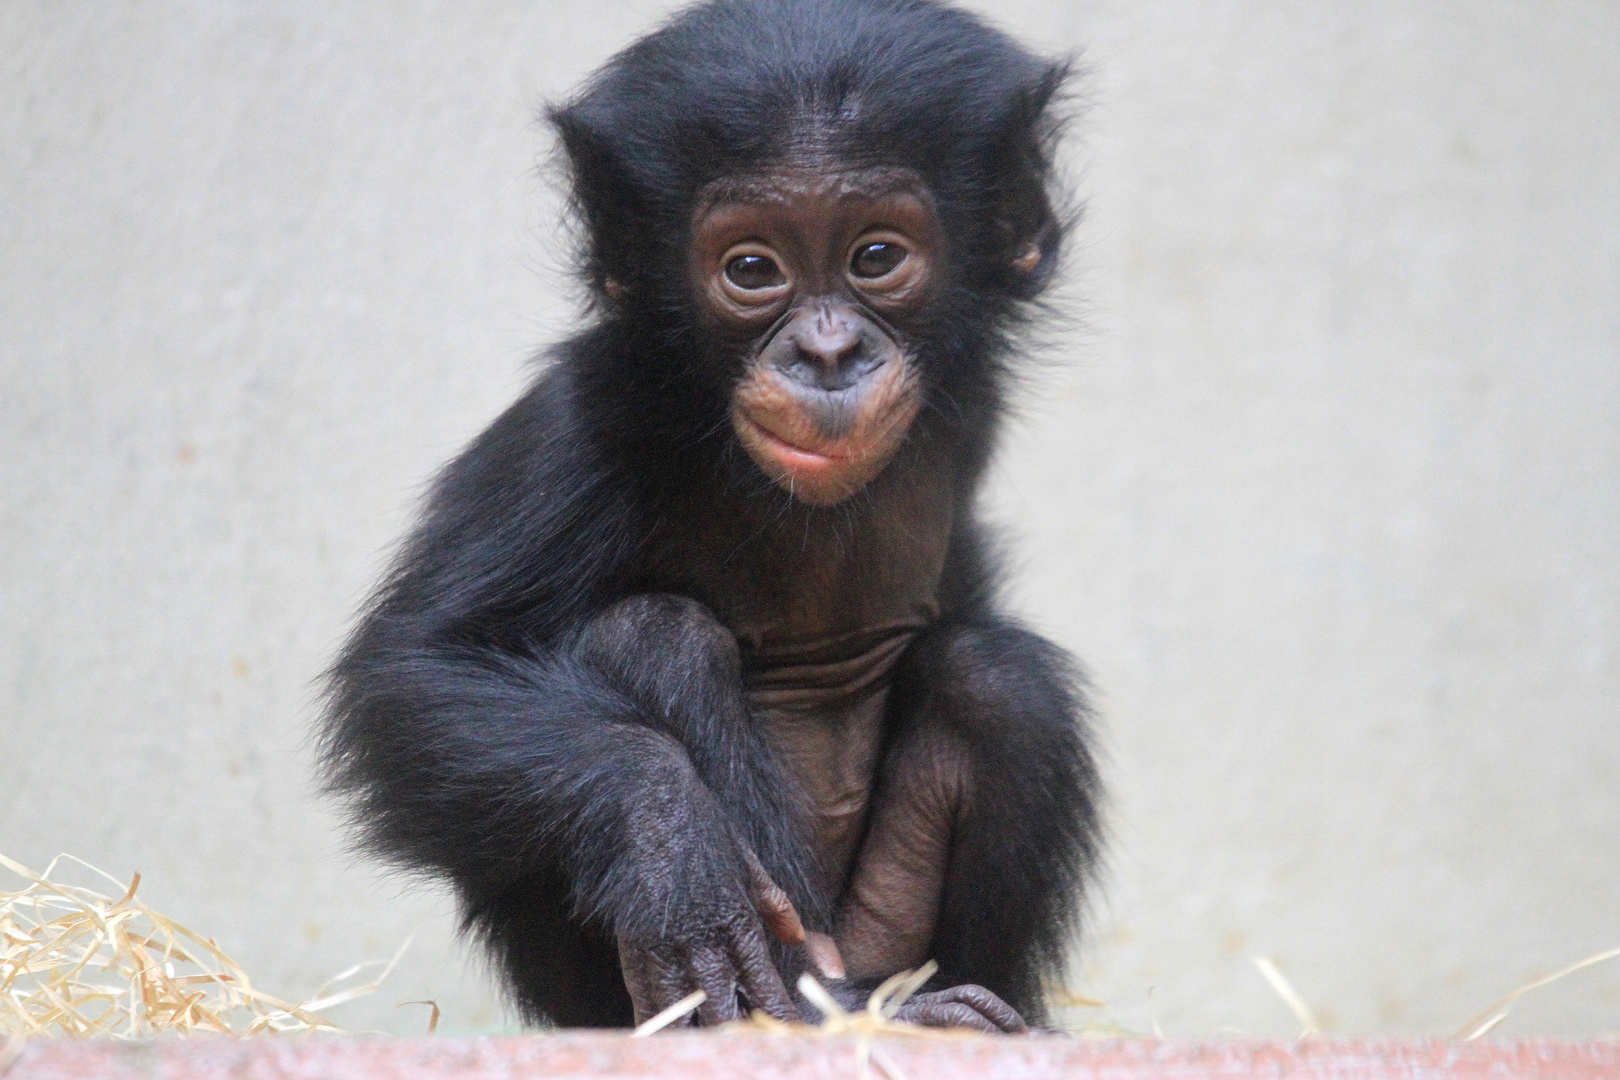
[[810, 272]]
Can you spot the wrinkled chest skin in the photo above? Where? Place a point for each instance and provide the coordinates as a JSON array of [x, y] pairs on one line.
[[822, 704], [823, 604]]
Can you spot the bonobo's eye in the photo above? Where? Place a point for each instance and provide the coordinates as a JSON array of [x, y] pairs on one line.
[[874, 260], [752, 279], [754, 272]]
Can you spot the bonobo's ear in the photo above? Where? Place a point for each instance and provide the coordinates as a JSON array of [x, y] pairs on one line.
[[1030, 230], [1034, 236], [602, 197]]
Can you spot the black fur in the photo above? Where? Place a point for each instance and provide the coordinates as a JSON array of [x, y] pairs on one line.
[[540, 672]]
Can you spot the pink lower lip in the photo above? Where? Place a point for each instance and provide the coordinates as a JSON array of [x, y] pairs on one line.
[[796, 454]]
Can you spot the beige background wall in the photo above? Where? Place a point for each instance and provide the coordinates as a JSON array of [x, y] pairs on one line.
[[1325, 488]]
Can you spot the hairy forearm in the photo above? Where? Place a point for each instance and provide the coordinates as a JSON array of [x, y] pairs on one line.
[[486, 766]]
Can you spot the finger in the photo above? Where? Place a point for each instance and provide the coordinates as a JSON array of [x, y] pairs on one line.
[[654, 982], [983, 1001], [823, 953], [946, 1014], [666, 991], [761, 983], [643, 1000], [781, 918], [773, 905], [638, 983], [712, 970]]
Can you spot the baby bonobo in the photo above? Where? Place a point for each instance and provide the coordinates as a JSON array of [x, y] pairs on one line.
[[693, 676]]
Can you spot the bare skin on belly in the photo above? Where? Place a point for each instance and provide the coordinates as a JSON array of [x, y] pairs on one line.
[[881, 816]]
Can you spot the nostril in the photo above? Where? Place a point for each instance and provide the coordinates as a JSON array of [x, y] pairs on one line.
[[831, 349], [832, 366], [826, 350]]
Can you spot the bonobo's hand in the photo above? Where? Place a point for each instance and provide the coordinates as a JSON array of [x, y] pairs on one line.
[[725, 955], [966, 1006]]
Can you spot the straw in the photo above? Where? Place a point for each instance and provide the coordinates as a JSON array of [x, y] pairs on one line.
[[74, 961]]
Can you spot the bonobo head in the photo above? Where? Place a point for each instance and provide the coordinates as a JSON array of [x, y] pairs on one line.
[[817, 220]]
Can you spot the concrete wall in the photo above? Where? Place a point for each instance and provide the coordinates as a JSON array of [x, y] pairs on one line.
[[1324, 484]]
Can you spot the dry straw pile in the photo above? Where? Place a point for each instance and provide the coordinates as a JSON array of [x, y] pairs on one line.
[[74, 961]]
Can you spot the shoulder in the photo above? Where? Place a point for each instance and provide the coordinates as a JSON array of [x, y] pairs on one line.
[[526, 525]]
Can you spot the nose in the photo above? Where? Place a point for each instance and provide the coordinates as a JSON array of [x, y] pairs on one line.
[[829, 350]]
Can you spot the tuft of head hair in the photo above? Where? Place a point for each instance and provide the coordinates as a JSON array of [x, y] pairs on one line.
[[730, 87]]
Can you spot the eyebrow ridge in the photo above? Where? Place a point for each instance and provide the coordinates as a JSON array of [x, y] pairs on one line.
[[778, 186]]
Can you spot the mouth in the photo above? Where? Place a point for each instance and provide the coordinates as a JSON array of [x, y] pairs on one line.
[[794, 458], [789, 438]]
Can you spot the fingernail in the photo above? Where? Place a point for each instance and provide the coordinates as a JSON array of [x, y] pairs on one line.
[[824, 954]]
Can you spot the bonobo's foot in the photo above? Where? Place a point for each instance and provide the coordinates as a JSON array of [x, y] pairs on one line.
[[965, 1006]]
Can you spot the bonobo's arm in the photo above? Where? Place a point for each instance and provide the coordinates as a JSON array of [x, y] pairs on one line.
[[983, 819], [670, 655], [617, 762]]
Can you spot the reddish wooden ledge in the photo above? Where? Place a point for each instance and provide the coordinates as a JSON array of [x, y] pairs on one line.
[[721, 1057]]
